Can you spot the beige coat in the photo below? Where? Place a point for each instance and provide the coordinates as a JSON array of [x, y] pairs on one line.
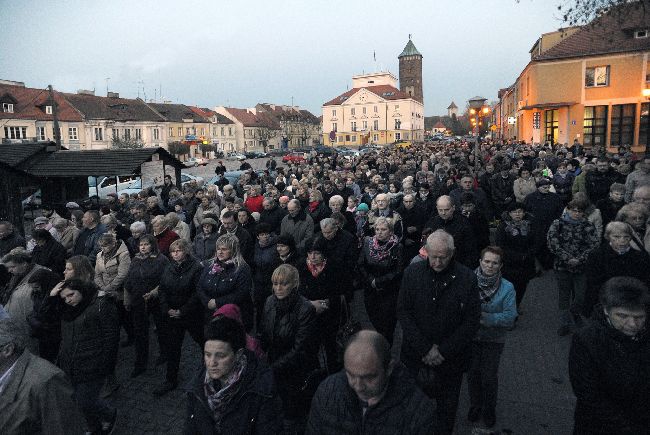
[[183, 230], [37, 399], [111, 272]]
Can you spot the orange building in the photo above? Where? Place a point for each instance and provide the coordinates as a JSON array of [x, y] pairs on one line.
[[589, 83]]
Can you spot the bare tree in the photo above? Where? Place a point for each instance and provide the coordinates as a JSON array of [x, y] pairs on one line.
[[266, 134], [581, 12], [129, 143]]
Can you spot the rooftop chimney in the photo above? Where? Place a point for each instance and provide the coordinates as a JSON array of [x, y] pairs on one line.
[[113, 95], [85, 92]]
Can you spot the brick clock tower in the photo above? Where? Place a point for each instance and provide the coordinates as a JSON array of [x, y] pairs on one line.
[[410, 71]]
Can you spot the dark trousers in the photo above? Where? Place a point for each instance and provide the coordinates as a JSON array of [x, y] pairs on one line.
[[381, 308], [174, 335], [140, 312], [126, 320], [483, 375], [94, 408], [446, 393], [48, 347], [327, 327]]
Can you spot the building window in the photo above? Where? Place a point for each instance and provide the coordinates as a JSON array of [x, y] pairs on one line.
[[48, 110], [597, 76], [187, 131], [171, 131], [341, 138], [622, 130], [202, 131], [398, 124], [99, 133], [354, 125], [333, 112], [334, 126], [156, 134], [364, 124], [396, 106], [551, 123], [223, 131], [180, 131], [116, 133], [641, 34], [363, 110], [398, 136], [644, 128], [40, 133], [72, 133], [16, 132], [7, 107], [595, 125], [127, 133], [353, 138], [229, 131], [375, 109], [352, 111], [375, 124], [375, 137]]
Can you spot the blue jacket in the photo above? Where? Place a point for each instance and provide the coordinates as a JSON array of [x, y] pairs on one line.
[[498, 315]]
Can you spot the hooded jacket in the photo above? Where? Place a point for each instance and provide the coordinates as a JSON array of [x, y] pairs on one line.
[[111, 272]]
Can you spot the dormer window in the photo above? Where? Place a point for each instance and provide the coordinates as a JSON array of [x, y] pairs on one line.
[[641, 34], [48, 110], [7, 107]]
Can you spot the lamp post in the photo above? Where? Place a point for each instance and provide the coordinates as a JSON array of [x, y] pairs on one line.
[[477, 108]]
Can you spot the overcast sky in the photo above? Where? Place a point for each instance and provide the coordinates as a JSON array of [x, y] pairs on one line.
[[239, 53]]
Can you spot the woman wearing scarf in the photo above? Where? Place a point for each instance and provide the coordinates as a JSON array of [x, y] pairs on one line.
[[264, 262], [90, 338], [317, 209], [498, 314], [141, 299], [362, 223], [515, 236], [636, 215], [226, 279], [380, 269], [234, 393], [319, 283], [289, 337], [571, 239]]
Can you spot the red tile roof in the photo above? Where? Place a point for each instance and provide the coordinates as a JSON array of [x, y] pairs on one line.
[[30, 104], [210, 114], [386, 92], [610, 33], [249, 119], [439, 124]]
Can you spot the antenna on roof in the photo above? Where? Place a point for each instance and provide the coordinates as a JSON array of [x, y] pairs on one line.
[[107, 79]]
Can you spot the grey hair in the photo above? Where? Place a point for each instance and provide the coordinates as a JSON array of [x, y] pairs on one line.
[[172, 219], [633, 207], [108, 220], [381, 220], [138, 226], [337, 198], [617, 226], [442, 236], [160, 219], [11, 333], [328, 222], [60, 223]]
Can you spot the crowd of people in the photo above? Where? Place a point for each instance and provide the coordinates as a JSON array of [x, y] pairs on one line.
[[436, 243]]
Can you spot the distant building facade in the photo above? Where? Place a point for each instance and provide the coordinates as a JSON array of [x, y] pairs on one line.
[[452, 110]]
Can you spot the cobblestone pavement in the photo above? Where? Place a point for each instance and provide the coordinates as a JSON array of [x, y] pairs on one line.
[[534, 391]]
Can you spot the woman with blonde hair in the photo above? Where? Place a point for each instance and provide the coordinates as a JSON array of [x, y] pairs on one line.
[[227, 279]]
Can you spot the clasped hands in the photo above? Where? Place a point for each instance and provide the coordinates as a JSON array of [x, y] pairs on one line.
[[433, 357]]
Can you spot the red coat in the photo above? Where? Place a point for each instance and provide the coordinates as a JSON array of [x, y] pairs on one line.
[[165, 239], [254, 203]]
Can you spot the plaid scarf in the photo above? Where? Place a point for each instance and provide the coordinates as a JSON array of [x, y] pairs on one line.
[[380, 250], [488, 285], [219, 399]]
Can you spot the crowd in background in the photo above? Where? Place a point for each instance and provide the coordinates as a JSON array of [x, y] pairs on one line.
[[437, 243]]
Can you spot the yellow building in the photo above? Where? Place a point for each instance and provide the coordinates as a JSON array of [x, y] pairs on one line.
[[586, 83]]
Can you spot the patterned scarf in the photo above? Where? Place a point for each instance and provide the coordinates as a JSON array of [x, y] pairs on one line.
[[487, 285], [218, 266], [219, 399], [517, 227], [380, 250], [316, 269]]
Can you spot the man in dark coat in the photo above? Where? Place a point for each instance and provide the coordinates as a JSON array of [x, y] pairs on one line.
[[544, 206], [230, 225], [373, 395], [48, 252], [86, 243], [608, 363], [458, 227], [413, 217], [272, 214], [597, 182], [480, 197], [9, 238], [439, 311]]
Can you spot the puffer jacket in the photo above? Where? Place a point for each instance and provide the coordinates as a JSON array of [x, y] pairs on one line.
[[177, 290], [567, 240], [233, 285], [256, 409], [111, 272], [89, 342], [610, 376], [498, 314], [289, 337], [404, 410]]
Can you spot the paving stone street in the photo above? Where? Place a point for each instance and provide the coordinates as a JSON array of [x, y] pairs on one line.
[[534, 391]]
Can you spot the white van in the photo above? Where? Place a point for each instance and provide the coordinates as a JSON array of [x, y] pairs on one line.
[[101, 186]]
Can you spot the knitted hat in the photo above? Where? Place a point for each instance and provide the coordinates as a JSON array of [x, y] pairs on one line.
[[362, 207]]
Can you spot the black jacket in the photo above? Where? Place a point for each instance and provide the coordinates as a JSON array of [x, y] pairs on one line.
[[273, 217], [289, 337], [404, 410], [177, 289], [597, 183], [51, 255], [233, 285], [461, 230], [255, 410], [144, 276], [13, 240], [610, 376], [89, 342], [438, 308], [387, 273]]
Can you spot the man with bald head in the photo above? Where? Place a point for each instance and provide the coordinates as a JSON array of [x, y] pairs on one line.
[[454, 223], [372, 394], [439, 311]]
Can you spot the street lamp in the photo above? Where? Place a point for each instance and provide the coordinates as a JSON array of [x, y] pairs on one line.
[[477, 108]]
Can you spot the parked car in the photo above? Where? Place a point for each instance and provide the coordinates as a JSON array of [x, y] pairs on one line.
[[33, 201], [278, 152], [101, 186], [255, 155], [325, 150], [235, 156], [196, 161], [232, 176], [294, 158], [136, 186], [349, 154]]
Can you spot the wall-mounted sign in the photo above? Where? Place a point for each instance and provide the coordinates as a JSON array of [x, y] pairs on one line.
[[512, 120]]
